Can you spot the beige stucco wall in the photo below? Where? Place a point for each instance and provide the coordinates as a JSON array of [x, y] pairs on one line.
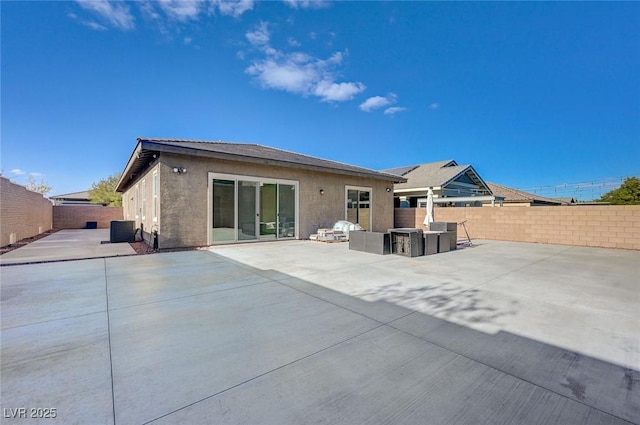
[[606, 226], [184, 204], [23, 213]]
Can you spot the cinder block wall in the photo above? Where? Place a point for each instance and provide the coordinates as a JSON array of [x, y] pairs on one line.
[[23, 213], [606, 226], [76, 216]]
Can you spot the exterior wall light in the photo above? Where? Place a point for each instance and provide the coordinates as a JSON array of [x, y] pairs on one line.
[[388, 189], [179, 170], [321, 191]]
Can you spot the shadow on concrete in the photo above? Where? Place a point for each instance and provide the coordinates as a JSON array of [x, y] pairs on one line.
[[443, 300], [605, 387]]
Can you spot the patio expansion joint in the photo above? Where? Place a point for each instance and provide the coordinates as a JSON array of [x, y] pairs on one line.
[[266, 373], [53, 320], [106, 295], [188, 296], [519, 378]]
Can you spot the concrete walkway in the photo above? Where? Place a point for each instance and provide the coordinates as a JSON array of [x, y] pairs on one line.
[[305, 333], [67, 245]]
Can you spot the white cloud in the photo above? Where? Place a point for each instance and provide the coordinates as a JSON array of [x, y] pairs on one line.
[[376, 102], [233, 8], [307, 4], [116, 14], [293, 42], [434, 106], [187, 40], [298, 72], [17, 172], [394, 110], [338, 92], [94, 25], [260, 36], [181, 10]]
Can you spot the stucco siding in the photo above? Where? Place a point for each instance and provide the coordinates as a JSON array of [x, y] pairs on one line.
[[184, 198]]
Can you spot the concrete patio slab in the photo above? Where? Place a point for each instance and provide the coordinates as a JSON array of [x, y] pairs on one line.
[[46, 292], [217, 341], [67, 245], [385, 376], [146, 279], [303, 332], [62, 365]]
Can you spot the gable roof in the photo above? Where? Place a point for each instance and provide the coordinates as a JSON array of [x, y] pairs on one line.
[[434, 174], [74, 195], [514, 195], [146, 148]]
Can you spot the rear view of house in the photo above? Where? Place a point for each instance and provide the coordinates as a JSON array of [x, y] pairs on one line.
[[196, 193]]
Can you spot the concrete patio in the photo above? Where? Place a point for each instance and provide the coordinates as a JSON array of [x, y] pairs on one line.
[[70, 244], [303, 332]]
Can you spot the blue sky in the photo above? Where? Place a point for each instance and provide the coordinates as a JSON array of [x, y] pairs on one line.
[[531, 94]]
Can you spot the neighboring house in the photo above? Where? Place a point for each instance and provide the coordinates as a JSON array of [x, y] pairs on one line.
[[197, 193], [452, 185], [518, 198], [75, 198]]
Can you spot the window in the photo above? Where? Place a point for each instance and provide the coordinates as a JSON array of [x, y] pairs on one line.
[[155, 196], [137, 202], [144, 203]]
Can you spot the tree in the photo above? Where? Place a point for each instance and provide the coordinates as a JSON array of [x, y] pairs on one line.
[[40, 187], [104, 192], [627, 194]]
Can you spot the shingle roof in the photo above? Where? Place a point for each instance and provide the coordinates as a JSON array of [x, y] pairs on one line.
[[248, 152], [514, 195], [432, 174], [74, 195]]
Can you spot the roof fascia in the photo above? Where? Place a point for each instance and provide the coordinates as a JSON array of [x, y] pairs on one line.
[[463, 171], [184, 150], [128, 167]]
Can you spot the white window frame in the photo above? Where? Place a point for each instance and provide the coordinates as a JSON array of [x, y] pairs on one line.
[[144, 199], [236, 177], [137, 201], [156, 190]]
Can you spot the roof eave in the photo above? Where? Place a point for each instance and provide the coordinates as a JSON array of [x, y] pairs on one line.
[[149, 145], [125, 177]]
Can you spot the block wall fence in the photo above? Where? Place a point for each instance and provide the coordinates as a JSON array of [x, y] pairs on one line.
[[23, 213], [605, 226], [76, 216]]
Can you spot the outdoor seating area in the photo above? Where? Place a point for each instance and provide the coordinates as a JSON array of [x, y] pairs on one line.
[[410, 242]]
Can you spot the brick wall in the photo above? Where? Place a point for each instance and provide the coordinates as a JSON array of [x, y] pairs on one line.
[[606, 226], [23, 213], [76, 216]]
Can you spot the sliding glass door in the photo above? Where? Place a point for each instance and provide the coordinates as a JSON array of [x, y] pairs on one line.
[[252, 208]]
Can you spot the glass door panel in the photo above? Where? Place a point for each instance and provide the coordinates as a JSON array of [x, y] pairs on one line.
[[268, 210], [224, 212], [364, 212], [287, 211], [247, 215], [359, 207], [352, 206]]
